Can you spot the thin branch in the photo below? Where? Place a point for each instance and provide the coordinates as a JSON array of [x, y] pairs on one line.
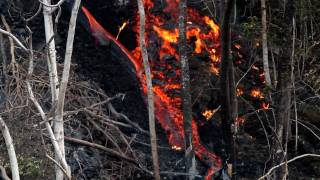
[[14, 38], [33, 16], [55, 162], [287, 162], [52, 5], [98, 146]]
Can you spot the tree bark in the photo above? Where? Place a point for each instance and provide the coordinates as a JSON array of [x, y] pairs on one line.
[[265, 43], [227, 88], [53, 77], [285, 82], [153, 135], [186, 94], [59, 124]]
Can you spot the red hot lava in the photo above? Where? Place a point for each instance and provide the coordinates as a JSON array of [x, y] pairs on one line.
[[167, 103], [203, 35]]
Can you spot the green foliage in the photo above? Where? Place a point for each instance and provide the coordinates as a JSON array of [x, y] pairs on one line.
[[252, 28], [29, 167]]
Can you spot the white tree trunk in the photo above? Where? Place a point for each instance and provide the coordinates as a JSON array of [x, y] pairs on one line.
[[11, 151], [59, 125], [53, 77], [265, 44]]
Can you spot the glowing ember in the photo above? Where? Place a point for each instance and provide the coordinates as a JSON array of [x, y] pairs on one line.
[[176, 148], [240, 120], [265, 105], [256, 93], [239, 92], [121, 29], [237, 46], [209, 113]]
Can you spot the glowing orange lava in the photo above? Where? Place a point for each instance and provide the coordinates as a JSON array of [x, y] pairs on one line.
[[209, 113], [256, 93], [239, 91], [203, 33]]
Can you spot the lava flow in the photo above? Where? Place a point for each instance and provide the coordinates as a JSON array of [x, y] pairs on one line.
[[204, 34], [162, 37]]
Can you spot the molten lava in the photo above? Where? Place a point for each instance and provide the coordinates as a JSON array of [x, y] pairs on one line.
[[203, 36]]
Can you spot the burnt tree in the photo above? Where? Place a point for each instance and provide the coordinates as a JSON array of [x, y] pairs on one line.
[[285, 81], [227, 87], [144, 52], [186, 94]]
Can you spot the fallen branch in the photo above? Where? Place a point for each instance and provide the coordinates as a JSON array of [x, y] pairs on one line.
[[11, 151], [97, 146], [122, 116]]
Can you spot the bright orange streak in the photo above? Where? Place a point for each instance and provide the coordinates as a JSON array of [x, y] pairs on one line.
[[121, 29], [102, 35]]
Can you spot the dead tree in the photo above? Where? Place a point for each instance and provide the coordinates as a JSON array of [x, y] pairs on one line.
[[186, 94], [227, 87], [59, 124], [285, 81], [265, 43], [53, 76], [153, 135]]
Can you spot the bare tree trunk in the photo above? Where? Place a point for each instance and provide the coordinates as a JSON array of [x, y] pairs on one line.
[[227, 88], [12, 154], [285, 82], [59, 124], [51, 49], [153, 135], [265, 44], [53, 77], [186, 94]]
